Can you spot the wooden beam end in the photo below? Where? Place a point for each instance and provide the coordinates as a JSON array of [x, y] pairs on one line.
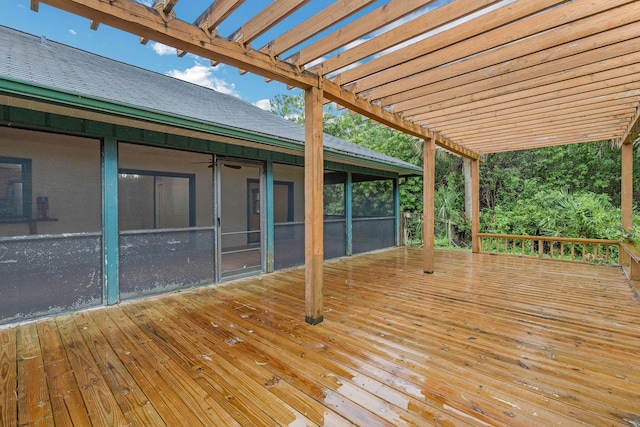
[[34, 5]]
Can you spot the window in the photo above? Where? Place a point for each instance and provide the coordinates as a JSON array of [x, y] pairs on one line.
[[153, 200], [15, 189]]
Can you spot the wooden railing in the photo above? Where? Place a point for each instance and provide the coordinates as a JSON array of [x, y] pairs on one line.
[[562, 248]]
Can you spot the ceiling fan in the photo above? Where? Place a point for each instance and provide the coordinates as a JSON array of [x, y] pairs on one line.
[[210, 162]]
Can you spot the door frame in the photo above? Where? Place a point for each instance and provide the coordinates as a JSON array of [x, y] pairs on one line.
[[218, 163]]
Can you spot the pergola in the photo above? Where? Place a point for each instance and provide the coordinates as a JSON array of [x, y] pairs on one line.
[[474, 77]]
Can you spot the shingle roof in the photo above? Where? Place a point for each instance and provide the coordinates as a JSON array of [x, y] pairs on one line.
[[55, 65]]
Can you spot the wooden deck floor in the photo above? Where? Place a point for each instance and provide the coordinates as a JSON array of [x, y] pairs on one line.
[[486, 340]]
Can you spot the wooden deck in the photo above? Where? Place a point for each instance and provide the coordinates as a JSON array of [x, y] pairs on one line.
[[485, 340]]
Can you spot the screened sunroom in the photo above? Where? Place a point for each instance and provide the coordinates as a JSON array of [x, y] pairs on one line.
[[118, 183]]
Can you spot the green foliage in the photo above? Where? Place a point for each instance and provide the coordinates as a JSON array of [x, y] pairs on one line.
[[569, 191], [373, 198], [557, 213], [290, 107]]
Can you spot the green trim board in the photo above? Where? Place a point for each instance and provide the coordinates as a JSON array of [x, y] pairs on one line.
[[28, 91], [110, 237], [348, 211], [25, 90], [36, 120], [270, 232]]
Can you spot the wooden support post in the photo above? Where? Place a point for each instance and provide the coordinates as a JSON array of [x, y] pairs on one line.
[[348, 207], [627, 186], [475, 206], [111, 249], [396, 209], [313, 206], [428, 196]]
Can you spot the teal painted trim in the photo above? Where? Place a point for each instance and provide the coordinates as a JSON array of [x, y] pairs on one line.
[[51, 95], [396, 208], [270, 217], [36, 120], [348, 210], [18, 88], [111, 250]]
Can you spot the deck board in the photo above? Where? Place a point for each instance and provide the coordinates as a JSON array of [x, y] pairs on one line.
[[8, 378], [66, 401], [485, 340]]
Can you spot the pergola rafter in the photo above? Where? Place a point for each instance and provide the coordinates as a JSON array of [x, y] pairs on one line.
[[473, 77], [420, 68]]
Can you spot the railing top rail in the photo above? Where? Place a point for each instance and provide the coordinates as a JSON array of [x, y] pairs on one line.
[[550, 238]]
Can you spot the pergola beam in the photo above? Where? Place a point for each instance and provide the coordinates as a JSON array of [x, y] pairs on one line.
[[135, 18], [429, 21], [217, 12], [562, 111], [542, 134], [481, 34], [145, 22], [540, 142], [520, 38], [275, 12], [325, 18], [633, 131], [597, 65], [334, 93], [539, 91], [457, 74], [523, 112], [166, 6], [373, 21], [546, 125], [623, 87]]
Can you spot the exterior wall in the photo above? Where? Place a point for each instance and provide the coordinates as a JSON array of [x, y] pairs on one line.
[[154, 159], [68, 170], [52, 263]]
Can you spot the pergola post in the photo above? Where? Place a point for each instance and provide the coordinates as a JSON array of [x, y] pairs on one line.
[[475, 205], [429, 170], [627, 186], [313, 205]]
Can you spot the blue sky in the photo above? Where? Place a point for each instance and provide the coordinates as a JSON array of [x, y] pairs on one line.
[[73, 30]]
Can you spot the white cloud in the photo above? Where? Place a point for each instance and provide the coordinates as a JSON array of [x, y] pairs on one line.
[[353, 44], [73, 32], [203, 75], [148, 3], [315, 62], [265, 104], [163, 49]]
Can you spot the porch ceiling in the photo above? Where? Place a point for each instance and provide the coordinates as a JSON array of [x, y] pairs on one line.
[[478, 76]]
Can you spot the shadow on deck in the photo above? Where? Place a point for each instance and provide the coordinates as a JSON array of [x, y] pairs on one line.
[[485, 340]]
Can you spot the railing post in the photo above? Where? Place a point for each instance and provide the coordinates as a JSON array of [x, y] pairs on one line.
[[540, 248]]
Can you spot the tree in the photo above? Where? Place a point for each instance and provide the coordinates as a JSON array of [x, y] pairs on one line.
[[290, 107]]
